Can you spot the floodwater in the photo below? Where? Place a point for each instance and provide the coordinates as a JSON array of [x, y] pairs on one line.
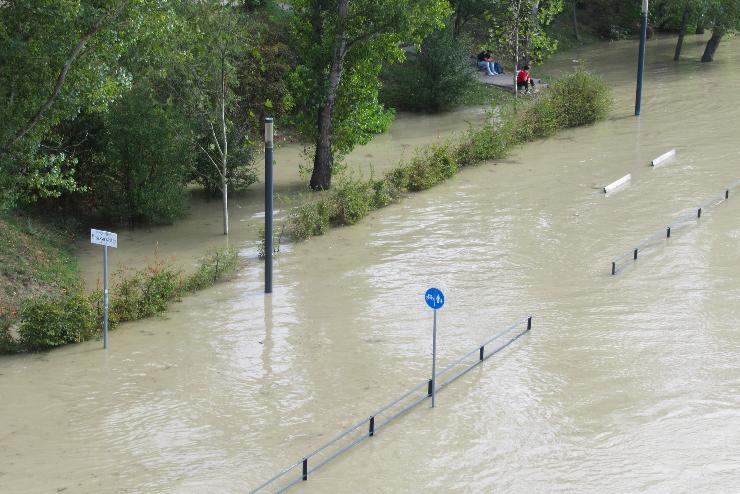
[[626, 383], [192, 237]]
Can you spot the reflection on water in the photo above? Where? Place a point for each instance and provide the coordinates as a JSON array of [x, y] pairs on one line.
[[626, 383]]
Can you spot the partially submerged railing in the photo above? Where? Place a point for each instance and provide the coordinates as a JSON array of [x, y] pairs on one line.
[[684, 220], [299, 471]]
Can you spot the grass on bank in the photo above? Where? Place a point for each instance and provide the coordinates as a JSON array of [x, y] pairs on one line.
[[580, 98], [34, 259]]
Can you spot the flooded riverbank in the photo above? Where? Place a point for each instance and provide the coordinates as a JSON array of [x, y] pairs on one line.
[[626, 383], [202, 229]]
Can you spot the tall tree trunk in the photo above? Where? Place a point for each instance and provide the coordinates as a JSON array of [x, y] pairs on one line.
[[324, 157], [681, 34], [516, 60], [224, 152], [712, 46], [575, 20], [458, 21]]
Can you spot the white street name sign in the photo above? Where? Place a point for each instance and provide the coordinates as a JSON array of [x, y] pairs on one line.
[[101, 237]]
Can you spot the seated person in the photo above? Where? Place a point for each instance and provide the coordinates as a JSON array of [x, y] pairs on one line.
[[524, 80], [496, 66], [486, 62]]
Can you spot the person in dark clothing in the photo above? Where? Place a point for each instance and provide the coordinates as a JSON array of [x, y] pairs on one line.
[[487, 63]]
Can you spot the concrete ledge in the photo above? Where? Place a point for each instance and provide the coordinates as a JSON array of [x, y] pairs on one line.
[[505, 81], [615, 185], [663, 158]]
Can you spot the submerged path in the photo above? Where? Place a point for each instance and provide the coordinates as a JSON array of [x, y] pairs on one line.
[[505, 81]]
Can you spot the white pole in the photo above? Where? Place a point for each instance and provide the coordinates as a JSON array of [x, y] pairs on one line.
[[434, 357], [105, 297]]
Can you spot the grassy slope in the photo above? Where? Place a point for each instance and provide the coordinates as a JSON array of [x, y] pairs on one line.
[[34, 259]]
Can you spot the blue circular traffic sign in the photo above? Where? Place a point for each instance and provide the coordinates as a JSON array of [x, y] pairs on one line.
[[434, 298]]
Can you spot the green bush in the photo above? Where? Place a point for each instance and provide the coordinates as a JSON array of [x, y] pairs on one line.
[[577, 99], [310, 219], [539, 119], [7, 342], [161, 284], [385, 192], [147, 154], [487, 143], [212, 268], [439, 77], [352, 200], [398, 178], [146, 293], [126, 298], [96, 299], [432, 168], [580, 98], [49, 322], [277, 236]]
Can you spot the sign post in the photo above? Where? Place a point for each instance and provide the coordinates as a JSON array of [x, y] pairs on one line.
[[106, 239], [435, 299]]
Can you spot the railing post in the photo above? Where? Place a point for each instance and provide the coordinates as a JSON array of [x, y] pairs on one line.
[[305, 469], [481, 353], [529, 323], [429, 388], [371, 432]]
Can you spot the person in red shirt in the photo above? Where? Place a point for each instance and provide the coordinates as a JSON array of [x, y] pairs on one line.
[[524, 80]]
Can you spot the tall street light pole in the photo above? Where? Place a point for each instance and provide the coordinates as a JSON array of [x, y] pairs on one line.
[[641, 61], [268, 203]]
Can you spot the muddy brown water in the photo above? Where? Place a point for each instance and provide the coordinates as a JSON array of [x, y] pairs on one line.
[[626, 383], [182, 243]]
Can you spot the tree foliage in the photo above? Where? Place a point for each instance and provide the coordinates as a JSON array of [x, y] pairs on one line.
[[340, 48], [74, 76], [148, 152], [437, 77], [518, 28], [58, 58]]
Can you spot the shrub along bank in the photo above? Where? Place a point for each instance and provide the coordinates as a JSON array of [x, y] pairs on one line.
[[580, 98], [71, 317]]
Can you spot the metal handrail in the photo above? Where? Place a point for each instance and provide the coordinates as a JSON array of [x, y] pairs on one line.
[[680, 220], [375, 427]]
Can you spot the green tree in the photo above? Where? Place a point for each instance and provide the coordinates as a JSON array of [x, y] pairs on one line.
[[340, 47], [464, 11], [148, 153], [223, 42], [723, 17], [56, 59], [518, 29], [436, 78], [670, 15]]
